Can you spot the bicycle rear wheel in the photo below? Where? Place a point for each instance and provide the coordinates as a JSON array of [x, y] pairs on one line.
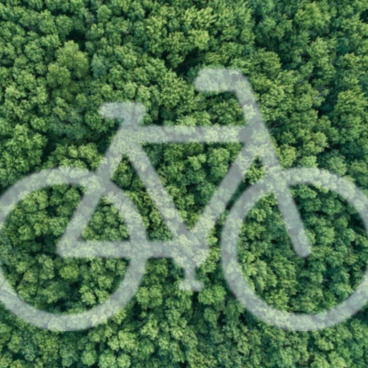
[[232, 269], [72, 321]]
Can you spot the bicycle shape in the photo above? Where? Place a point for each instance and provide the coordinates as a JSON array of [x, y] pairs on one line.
[[188, 248]]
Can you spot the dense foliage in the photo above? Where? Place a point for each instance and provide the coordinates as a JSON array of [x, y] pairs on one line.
[[307, 62]]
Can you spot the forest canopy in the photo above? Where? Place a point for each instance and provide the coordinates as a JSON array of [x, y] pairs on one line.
[[307, 62]]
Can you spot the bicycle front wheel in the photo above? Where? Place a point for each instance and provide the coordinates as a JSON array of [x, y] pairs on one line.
[[232, 269]]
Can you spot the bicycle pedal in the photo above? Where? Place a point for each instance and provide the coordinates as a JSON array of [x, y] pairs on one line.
[[191, 285]]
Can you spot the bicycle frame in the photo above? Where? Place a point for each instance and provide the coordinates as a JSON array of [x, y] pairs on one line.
[[256, 143]]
